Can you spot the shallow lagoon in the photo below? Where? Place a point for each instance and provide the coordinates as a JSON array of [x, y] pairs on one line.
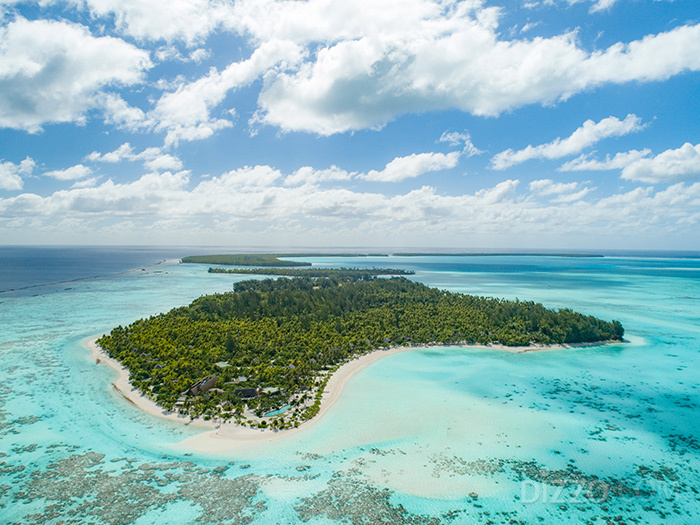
[[442, 435]]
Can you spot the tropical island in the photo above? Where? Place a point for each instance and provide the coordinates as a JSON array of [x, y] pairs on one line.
[[346, 274], [243, 259], [263, 354], [266, 260]]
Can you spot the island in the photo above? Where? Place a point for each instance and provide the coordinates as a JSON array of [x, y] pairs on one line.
[[265, 259], [262, 355], [348, 274], [243, 259]]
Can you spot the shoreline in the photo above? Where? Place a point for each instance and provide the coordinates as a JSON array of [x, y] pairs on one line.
[[216, 432]]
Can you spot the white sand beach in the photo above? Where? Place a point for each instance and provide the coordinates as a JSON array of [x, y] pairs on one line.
[[218, 437]]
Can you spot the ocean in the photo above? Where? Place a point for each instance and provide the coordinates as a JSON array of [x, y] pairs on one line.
[[444, 435]]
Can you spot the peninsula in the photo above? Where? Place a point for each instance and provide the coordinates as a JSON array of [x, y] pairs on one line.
[[263, 354]]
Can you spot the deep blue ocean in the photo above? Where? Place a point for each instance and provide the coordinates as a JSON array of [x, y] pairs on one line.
[[606, 434]]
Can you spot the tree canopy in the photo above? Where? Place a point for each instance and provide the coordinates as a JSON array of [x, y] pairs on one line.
[[287, 334]]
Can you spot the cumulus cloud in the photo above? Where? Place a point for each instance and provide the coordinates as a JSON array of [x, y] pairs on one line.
[[85, 183], [399, 169], [559, 191], [619, 161], [119, 113], [499, 193], [325, 67], [11, 174], [256, 199], [186, 113], [670, 166], [165, 162], [186, 20], [246, 177], [587, 135], [412, 166], [53, 71], [549, 187], [366, 70], [309, 175], [73, 173], [153, 158]]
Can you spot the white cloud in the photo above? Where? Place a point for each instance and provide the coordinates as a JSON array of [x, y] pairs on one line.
[[256, 200], [573, 197], [598, 5], [119, 113], [325, 67], [412, 166], [549, 187], [11, 174], [530, 25], [85, 183], [189, 132], [309, 175], [186, 20], [73, 173], [125, 151], [559, 192], [164, 162], [457, 139], [199, 55], [619, 161], [54, 71], [171, 52], [366, 69], [186, 113], [247, 177], [153, 158], [499, 193], [670, 166], [587, 135]]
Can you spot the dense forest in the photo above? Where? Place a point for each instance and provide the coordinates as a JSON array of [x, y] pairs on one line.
[[273, 343]]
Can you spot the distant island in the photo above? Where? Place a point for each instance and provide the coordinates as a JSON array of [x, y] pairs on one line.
[[262, 355], [276, 259], [348, 274], [266, 259]]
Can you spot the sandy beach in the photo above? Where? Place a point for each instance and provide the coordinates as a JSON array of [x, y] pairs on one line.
[[219, 436]]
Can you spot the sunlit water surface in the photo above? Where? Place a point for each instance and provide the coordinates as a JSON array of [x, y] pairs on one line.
[[442, 435]]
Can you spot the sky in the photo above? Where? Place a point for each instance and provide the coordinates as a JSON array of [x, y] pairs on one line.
[[499, 124]]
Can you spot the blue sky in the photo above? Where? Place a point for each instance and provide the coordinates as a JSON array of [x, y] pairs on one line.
[[558, 124]]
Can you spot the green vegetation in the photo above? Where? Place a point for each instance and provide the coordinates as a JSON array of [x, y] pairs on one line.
[[243, 259], [289, 335], [346, 274], [267, 259]]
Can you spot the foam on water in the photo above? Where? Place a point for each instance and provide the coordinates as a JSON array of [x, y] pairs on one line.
[[441, 435]]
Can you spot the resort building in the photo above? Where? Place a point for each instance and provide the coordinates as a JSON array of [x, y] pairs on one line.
[[246, 393], [202, 385]]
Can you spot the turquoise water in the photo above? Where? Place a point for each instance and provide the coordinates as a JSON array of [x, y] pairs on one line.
[[441, 435]]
